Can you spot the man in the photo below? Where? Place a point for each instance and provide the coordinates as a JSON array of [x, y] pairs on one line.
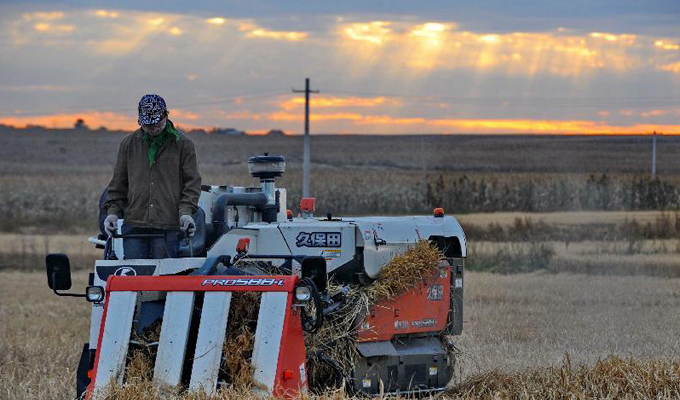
[[155, 183]]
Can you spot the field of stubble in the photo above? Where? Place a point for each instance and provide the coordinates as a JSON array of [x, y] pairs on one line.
[[583, 302], [515, 327]]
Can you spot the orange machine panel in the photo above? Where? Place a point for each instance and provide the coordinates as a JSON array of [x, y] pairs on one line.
[[423, 309]]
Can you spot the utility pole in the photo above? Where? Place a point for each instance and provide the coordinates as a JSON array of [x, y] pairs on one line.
[[654, 155], [306, 155]]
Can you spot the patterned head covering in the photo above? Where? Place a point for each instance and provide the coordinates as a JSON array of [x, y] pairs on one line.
[[151, 109]]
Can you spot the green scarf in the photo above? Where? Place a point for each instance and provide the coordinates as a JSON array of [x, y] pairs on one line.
[[156, 142]]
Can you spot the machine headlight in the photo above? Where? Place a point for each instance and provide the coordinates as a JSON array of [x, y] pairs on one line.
[[303, 294], [94, 294]]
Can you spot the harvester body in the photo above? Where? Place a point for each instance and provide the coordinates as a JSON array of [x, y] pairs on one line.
[[239, 230]]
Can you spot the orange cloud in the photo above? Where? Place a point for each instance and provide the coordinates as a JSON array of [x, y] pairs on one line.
[[378, 123], [432, 33], [654, 113], [329, 102], [431, 45], [46, 27], [44, 16], [253, 31], [42, 88], [184, 115], [93, 119], [453, 125], [388, 120], [666, 45], [216, 21], [673, 67], [106, 14], [155, 21], [284, 116], [375, 32], [547, 126], [610, 37], [133, 31]]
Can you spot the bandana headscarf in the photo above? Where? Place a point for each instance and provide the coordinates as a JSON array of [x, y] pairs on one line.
[[151, 109], [156, 142]]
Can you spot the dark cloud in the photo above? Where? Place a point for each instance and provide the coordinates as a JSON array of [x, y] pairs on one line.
[[635, 16]]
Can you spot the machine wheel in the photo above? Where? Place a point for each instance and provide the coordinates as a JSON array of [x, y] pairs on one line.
[[82, 380]]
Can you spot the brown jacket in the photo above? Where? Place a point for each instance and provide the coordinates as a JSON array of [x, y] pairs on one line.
[[154, 196]]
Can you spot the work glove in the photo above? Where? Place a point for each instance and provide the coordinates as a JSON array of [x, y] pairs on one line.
[[111, 224], [187, 224]]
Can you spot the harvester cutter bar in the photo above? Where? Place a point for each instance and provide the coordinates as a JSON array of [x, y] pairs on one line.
[[278, 356]]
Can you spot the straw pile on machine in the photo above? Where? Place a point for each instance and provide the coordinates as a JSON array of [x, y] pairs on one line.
[[332, 351]]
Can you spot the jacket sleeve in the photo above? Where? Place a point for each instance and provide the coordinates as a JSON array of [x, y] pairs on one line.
[[191, 180], [117, 191]]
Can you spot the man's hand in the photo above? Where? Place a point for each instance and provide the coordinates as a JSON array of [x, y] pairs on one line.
[[111, 224], [187, 224]]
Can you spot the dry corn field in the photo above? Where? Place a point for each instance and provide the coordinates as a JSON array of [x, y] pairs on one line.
[[57, 188]]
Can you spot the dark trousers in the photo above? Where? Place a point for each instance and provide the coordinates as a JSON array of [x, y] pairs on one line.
[[141, 248]]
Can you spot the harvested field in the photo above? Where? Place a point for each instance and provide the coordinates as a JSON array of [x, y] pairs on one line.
[[616, 305], [517, 327], [27, 251], [611, 378], [641, 257]]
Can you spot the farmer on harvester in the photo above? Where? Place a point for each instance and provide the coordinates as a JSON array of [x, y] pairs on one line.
[[155, 184]]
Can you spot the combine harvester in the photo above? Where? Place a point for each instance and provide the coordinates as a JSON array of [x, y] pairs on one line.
[[247, 241]]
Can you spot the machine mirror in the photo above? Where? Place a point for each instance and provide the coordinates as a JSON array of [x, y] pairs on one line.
[[315, 268], [58, 271]]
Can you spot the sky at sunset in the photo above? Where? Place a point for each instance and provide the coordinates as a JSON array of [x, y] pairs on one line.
[[487, 66]]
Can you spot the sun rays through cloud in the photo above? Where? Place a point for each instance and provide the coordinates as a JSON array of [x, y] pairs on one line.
[[386, 75]]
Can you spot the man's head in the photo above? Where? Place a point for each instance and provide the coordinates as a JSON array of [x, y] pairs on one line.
[[153, 114]]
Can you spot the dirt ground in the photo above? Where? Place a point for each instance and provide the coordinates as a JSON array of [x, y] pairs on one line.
[[512, 323]]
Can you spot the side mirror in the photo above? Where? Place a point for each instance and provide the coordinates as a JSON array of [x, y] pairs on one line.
[[315, 268], [58, 271]]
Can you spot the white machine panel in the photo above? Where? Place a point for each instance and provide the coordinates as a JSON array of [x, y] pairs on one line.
[[333, 240], [385, 237], [173, 341], [210, 340], [268, 337], [115, 342]]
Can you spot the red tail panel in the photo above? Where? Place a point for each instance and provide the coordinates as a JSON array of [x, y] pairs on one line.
[[423, 309]]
